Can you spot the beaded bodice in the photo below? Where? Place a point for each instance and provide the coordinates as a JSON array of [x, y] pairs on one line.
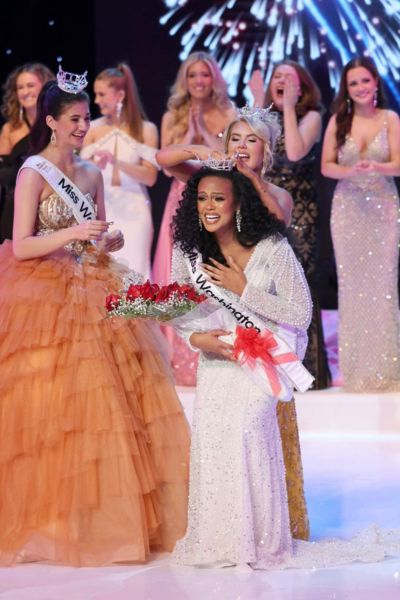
[[54, 214], [378, 150]]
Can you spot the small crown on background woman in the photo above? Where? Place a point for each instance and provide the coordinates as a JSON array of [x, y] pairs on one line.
[[72, 83]]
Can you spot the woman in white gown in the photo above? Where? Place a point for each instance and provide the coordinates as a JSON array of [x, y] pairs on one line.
[[238, 505], [227, 241], [123, 144]]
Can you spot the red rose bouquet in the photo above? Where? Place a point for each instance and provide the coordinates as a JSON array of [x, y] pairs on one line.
[[149, 300]]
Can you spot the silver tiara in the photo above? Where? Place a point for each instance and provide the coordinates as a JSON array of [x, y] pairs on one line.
[[255, 112], [218, 164], [265, 116], [71, 82]]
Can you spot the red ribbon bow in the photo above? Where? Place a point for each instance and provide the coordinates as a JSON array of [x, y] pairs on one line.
[[250, 345]]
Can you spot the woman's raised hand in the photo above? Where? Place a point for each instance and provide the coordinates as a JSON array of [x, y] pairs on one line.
[[231, 277], [291, 92], [256, 86]]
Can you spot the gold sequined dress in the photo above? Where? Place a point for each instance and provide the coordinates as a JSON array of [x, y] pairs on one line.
[[365, 232], [94, 445]]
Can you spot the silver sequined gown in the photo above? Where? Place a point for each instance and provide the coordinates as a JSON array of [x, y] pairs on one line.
[[365, 232], [238, 505]]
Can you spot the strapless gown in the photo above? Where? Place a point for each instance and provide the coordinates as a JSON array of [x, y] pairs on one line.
[[93, 440]]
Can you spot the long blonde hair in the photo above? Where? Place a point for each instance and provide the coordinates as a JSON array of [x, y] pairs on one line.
[[268, 131], [10, 107], [121, 78], [179, 101]]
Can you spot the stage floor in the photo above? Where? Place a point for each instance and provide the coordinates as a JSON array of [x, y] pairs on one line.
[[351, 456]]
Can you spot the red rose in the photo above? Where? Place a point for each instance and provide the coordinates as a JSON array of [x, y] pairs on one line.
[[200, 299], [163, 294], [112, 301], [149, 290], [134, 291]]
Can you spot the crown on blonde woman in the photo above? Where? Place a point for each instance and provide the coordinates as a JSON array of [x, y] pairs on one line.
[[72, 83], [256, 112]]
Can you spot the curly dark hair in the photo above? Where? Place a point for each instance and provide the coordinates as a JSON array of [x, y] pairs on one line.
[[257, 221], [343, 107]]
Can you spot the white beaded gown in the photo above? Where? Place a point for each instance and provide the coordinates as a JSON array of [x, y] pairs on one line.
[[238, 510], [127, 204], [365, 233]]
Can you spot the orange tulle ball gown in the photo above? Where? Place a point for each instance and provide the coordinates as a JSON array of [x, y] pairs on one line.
[[93, 440]]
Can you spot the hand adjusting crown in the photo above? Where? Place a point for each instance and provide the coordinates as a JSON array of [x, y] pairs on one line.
[[218, 164], [71, 83]]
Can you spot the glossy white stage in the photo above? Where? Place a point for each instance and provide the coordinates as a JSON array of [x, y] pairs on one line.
[[351, 455]]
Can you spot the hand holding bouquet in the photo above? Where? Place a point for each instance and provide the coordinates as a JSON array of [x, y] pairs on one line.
[[151, 301]]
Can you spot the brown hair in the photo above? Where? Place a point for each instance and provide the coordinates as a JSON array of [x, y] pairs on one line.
[[10, 107], [121, 78], [310, 98], [342, 105]]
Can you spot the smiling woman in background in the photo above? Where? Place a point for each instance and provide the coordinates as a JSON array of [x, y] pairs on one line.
[[21, 92], [122, 143], [362, 150], [198, 111]]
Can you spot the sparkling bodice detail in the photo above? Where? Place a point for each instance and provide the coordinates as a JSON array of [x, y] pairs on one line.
[[276, 288], [54, 214], [378, 150]]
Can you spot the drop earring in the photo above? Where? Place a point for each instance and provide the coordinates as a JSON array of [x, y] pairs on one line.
[[375, 97], [21, 114], [348, 102], [238, 217], [200, 225], [118, 109], [53, 139]]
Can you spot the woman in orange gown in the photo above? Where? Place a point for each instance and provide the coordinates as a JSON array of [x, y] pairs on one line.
[[93, 440]]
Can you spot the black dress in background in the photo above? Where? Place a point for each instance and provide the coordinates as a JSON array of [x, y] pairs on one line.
[[298, 178], [9, 167]]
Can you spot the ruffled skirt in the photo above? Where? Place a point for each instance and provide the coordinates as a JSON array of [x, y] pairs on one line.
[[93, 440]]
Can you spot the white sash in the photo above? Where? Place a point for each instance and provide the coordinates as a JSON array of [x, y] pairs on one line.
[[63, 186], [292, 374]]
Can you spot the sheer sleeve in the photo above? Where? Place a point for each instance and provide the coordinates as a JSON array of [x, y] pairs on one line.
[[287, 300], [181, 275]]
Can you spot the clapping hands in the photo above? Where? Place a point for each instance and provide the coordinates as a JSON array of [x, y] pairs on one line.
[[102, 158]]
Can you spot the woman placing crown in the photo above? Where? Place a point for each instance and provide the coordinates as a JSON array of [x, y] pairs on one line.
[[249, 141], [122, 143], [295, 99], [93, 440]]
